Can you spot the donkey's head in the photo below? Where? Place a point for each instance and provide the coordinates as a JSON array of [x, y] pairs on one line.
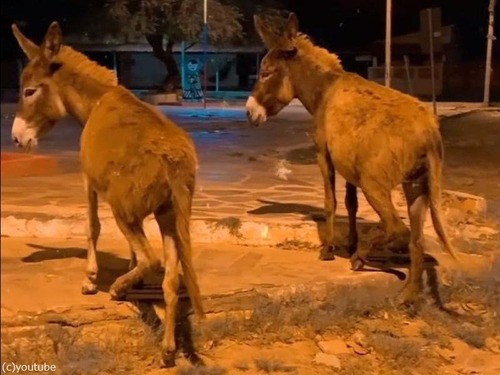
[[40, 104], [273, 90]]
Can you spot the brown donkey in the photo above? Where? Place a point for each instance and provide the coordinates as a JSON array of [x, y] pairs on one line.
[[375, 137], [132, 156]]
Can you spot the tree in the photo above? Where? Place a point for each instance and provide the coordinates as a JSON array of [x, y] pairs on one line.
[[166, 22]]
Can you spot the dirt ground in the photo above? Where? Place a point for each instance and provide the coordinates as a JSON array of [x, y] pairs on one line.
[[356, 332], [362, 332]]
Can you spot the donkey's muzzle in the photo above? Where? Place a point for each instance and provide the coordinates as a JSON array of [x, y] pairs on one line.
[[254, 121], [256, 113]]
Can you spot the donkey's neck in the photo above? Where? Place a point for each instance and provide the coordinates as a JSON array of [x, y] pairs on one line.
[[313, 72], [82, 96], [310, 85]]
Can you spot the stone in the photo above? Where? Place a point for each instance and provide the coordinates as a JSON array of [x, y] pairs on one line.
[[359, 338], [329, 360], [335, 346], [358, 349], [465, 202], [358, 343]]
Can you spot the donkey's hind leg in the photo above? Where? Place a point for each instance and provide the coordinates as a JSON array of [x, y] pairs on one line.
[[417, 198], [396, 234], [133, 259], [165, 216], [351, 203], [89, 284], [145, 255]]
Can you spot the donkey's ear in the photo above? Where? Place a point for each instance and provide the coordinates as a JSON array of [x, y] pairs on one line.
[[52, 41], [265, 32], [29, 48], [292, 26]]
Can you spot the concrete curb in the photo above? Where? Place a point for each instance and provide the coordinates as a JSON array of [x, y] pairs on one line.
[[231, 230], [230, 301]]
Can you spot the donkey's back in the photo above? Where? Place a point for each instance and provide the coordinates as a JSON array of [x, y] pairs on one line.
[[368, 126], [131, 153]]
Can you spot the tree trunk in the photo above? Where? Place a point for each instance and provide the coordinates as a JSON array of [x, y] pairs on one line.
[[172, 81]]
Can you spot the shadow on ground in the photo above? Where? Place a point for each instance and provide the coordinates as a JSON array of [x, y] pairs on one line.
[[110, 265], [376, 261], [273, 207]]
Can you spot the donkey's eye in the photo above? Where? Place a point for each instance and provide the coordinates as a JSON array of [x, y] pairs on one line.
[[29, 92]]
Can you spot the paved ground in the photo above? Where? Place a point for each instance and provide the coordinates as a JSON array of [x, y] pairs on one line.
[[40, 274], [242, 176], [243, 172], [45, 274]]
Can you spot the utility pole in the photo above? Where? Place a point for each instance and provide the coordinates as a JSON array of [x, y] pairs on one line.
[[205, 46], [489, 48], [388, 22], [431, 58]]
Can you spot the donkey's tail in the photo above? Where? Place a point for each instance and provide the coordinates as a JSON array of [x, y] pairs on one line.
[[435, 158], [181, 200]]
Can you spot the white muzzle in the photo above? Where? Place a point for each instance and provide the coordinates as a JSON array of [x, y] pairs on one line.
[[256, 113]]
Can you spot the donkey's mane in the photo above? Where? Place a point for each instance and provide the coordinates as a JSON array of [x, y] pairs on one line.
[[84, 66], [322, 58]]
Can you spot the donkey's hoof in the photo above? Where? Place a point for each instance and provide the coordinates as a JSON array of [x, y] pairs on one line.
[[88, 287], [357, 263], [195, 360], [327, 253], [352, 248], [168, 359], [410, 297], [117, 293]]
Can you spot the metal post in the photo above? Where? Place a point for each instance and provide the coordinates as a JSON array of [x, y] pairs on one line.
[[489, 48], [431, 57], [183, 66], [388, 21], [408, 76], [205, 46]]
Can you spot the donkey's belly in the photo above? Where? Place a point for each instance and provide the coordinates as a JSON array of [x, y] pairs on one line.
[[347, 173], [344, 161]]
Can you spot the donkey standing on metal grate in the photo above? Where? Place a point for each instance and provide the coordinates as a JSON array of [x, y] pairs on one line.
[[375, 137]]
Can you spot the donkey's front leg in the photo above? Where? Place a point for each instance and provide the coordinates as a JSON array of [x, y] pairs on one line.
[[328, 173], [89, 285]]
